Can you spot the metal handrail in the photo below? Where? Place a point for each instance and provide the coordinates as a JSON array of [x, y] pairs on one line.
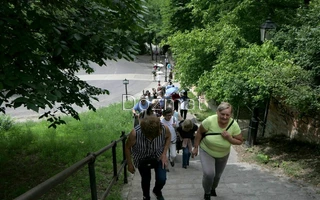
[[44, 187]]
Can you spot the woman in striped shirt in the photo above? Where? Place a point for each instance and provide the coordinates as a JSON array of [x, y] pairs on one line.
[[147, 145]]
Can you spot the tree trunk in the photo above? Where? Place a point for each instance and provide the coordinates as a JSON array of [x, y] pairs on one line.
[[151, 51]]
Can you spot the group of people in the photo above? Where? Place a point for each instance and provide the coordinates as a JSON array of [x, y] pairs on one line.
[[151, 145], [161, 98], [157, 70]]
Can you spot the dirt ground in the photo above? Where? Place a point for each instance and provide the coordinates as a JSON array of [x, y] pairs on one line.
[[297, 160]]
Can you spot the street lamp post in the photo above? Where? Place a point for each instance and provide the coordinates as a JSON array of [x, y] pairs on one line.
[[266, 29], [156, 41], [126, 82], [166, 68], [253, 128], [266, 32], [156, 53]]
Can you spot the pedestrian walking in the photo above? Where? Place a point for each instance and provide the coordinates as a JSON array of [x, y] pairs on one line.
[[171, 74], [215, 136], [169, 121], [154, 93], [184, 104], [147, 145], [176, 99], [186, 132], [142, 105]]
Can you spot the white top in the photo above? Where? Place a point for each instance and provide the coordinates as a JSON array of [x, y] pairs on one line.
[[184, 104], [171, 128], [176, 117]]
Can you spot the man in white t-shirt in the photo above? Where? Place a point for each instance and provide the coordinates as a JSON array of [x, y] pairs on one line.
[[169, 121]]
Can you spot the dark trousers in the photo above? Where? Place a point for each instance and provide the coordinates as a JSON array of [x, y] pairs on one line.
[[185, 156], [135, 121], [176, 105], [160, 178], [183, 113]]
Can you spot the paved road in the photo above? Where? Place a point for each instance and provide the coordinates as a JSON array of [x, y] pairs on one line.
[[108, 77]]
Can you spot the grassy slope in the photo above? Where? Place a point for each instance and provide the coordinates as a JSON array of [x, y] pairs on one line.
[[30, 153]]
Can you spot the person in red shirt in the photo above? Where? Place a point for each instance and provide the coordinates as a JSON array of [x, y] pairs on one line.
[[175, 97]]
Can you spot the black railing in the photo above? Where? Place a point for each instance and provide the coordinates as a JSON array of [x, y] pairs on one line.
[[44, 187]]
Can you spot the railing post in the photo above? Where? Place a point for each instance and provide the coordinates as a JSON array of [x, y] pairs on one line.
[[266, 115], [92, 175], [125, 176], [44, 187], [114, 159], [253, 128]]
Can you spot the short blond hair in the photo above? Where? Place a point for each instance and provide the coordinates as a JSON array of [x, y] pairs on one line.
[[187, 125]]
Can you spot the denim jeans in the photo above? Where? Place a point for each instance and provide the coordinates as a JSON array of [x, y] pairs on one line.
[[185, 156], [160, 179]]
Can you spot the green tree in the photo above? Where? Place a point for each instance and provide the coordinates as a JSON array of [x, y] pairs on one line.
[[227, 61], [181, 18], [44, 43], [301, 39], [253, 73], [152, 24], [197, 52]]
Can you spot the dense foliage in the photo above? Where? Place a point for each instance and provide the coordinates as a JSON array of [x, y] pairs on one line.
[[44, 43], [221, 53], [215, 46]]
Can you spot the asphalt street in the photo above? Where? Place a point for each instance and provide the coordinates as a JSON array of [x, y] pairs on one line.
[[110, 77]]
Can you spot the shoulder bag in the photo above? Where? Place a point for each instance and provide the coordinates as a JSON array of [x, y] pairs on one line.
[[205, 134]]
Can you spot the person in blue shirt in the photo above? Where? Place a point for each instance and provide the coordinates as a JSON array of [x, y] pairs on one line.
[[161, 99], [169, 66], [142, 105]]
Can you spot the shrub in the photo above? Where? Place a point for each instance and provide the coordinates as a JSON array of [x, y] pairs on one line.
[[5, 122]]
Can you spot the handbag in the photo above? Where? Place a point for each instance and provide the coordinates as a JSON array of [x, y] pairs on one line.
[[148, 162], [205, 134], [179, 143]]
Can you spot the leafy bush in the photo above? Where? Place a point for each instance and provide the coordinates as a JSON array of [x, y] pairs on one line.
[[262, 158], [5, 122]]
